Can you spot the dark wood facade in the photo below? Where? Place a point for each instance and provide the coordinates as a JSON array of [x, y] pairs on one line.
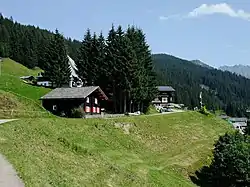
[[90, 104], [165, 95]]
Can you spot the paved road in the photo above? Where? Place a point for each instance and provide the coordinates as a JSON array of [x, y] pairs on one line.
[[8, 175]]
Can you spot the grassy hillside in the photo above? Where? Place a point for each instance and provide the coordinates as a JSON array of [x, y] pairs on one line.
[[147, 151], [17, 95]]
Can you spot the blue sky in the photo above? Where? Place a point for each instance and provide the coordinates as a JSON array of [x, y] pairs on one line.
[[216, 32]]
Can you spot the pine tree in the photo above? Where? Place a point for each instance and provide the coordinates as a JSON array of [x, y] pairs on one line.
[[103, 72], [144, 85], [111, 44], [84, 59], [57, 67], [96, 60]]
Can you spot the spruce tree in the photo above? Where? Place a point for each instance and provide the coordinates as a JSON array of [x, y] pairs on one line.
[[149, 80], [111, 44], [144, 85], [95, 60], [103, 72], [57, 68], [84, 59], [125, 60]]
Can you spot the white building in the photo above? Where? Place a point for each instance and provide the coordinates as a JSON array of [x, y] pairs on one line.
[[75, 81]]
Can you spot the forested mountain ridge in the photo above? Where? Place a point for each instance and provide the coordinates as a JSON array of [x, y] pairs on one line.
[[243, 70], [226, 90]]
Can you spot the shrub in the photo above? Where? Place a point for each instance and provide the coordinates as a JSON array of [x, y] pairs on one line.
[[204, 111], [78, 113], [230, 165]]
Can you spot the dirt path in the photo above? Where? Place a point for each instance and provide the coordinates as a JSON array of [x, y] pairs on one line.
[[8, 175], [163, 113], [156, 114]]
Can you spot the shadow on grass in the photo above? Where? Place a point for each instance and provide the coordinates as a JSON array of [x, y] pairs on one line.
[[202, 178]]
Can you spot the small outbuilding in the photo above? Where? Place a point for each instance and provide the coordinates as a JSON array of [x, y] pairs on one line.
[[65, 99]]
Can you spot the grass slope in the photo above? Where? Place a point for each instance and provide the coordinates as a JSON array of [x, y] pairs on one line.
[[18, 93], [158, 150]]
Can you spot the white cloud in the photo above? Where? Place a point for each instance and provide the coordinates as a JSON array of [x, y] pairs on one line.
[[205, 9], [221, 8]]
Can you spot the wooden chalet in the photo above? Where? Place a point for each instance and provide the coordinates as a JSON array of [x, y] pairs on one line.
[[65, 99], [165, 96]]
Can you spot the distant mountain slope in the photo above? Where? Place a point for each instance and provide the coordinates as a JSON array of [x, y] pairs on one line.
[[189, 79], [200, 63], [243, 70]]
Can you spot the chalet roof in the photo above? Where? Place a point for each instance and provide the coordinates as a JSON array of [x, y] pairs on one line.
[[27, 77], [165, 88], [238, 119], [73, 93]]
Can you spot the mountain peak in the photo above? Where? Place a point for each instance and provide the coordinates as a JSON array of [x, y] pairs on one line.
[[239, 69], [200, 63]]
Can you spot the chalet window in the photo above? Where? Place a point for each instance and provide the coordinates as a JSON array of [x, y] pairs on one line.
[[87, 100], [54, 107], [164, 99], [96, 101]]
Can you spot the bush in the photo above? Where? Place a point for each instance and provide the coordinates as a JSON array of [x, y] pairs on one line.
[[78, 113], [151, 110], [204, 111], [230, 165]]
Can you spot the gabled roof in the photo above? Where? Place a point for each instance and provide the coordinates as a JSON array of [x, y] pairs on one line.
[[73, 93], [238, 119], [27, 77], [165, 89]]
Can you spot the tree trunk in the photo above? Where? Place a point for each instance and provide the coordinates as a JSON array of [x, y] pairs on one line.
[[142, 105], [125, 102], [120, 101], [129, 100], [114, 98]]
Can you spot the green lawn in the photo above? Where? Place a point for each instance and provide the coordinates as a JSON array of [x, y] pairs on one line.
[[14, 90], [150, 151]]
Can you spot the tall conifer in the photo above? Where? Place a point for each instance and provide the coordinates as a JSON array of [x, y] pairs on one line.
[[83, 61], [57, 64]]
